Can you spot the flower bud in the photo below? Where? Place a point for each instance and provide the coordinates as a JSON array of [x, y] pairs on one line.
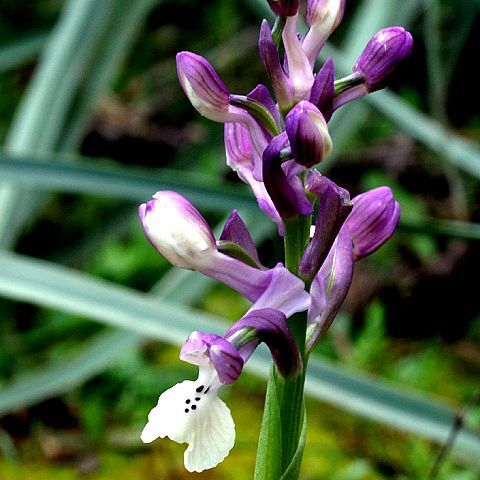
[[177, 230], [308, 134], [210, 97], [285, 8], [203, 87], [323, 17], [372, 221], [385, 50]]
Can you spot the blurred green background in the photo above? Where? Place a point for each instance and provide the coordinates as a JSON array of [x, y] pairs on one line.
[[92, 122]]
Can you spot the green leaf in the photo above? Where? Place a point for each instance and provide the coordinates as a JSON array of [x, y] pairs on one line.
[[269, 453], [377, 400], [117, 40], [54, 286], [293, 470]]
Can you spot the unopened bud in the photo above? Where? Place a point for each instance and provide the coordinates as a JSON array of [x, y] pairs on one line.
[[385, 50], [372, 221], [177, 230], [308, 134], [203, 86]]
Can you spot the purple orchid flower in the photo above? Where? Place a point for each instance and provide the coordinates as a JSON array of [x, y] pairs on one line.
[[323, 89], [370, 224], [281, 84], [330, 287], [180, 233], [300, 72], [281, 180], [334, 206], [292, 81], [242, 158], [191, 411]]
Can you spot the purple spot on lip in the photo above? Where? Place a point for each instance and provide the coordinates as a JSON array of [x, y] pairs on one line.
[[149, 206]]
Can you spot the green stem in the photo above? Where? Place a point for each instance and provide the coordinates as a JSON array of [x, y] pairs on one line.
[[291, 406], [288, 413], [294, 243], [292, 400]]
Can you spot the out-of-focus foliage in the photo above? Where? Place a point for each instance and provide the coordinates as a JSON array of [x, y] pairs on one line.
[[412, 316]]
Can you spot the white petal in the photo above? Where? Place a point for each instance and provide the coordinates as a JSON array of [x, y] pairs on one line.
[[213, 437], [200, 419]]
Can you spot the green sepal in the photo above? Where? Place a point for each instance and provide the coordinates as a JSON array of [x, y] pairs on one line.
[[350, 81], [235, 251], [257, 110]]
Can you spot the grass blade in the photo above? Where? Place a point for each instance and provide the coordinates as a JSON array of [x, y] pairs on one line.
[[66, 374], [129, 184], [83, 52], [21, 51]]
